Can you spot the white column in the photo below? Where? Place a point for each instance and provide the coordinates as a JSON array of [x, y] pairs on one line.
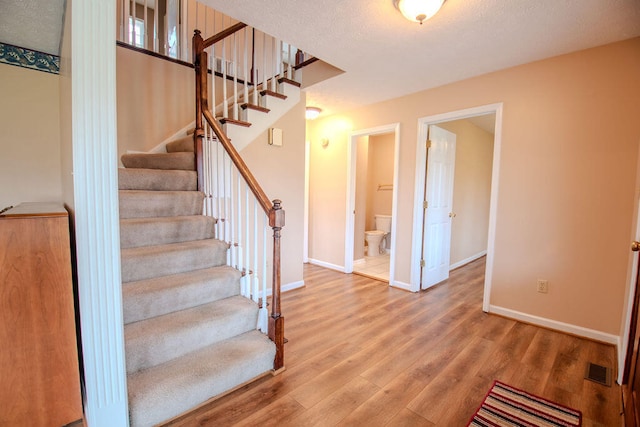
[[95, 190]]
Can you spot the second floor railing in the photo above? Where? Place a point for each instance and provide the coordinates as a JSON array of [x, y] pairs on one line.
[[247, 60]]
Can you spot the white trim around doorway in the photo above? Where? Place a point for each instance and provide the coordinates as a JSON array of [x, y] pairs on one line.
[[351, 194], [418, 212]]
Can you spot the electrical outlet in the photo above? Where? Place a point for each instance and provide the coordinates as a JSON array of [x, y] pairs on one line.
[[543, 286]]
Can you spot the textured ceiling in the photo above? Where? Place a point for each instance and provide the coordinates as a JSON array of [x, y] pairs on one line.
[[32, 24], [385, 56]]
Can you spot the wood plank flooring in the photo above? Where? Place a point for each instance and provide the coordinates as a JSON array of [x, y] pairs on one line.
[[363, 354]]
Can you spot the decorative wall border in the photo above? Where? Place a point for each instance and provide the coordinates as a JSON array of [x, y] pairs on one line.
[[27, 58]]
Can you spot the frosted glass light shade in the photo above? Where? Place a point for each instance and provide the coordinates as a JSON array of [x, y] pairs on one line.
[[418, 10], [312, 112]]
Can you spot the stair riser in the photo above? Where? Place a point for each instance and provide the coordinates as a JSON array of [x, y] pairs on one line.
[[164, 161], [184, 332], [157, 180], [185, 144], [156, 261], [147, 204], [155, 297], [136, 232]]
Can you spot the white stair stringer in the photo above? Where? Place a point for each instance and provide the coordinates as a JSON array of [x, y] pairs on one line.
[[241, 136]]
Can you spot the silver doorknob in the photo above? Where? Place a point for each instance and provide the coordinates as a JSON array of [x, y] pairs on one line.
[[635, 246]]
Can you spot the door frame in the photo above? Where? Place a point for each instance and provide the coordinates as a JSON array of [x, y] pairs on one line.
[[351, 193], [628, 309], [418, 211]]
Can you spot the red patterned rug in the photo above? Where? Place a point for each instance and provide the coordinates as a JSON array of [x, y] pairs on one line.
[[508, 406]]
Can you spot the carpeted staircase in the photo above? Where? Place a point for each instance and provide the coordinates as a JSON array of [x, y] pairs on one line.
[[189, 334]]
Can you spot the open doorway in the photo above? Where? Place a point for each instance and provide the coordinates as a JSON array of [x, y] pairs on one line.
[[470, 218], [371, 202]]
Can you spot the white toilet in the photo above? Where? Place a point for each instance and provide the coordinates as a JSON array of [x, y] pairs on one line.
[[375, 238]]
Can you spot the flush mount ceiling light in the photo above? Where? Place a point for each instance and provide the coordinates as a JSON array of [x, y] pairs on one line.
[[418, 10], [312, 112]]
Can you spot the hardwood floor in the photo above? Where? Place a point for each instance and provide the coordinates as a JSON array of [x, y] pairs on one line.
[[363, 354]]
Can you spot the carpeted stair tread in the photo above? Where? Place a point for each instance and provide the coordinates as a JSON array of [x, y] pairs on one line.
[[184, 144], [147, 262], [147, 204], [167, 390], [164, 161], [136, 232], [157, 180], [187, 330], [149, 298]]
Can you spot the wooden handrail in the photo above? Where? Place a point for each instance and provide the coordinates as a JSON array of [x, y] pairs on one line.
[[222, 34], [273, 210]]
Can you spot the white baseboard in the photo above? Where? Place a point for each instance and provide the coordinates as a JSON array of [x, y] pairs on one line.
[[293, 285], [467, 260], [558, 326], [401, 285], [288, 287], [326, 265]]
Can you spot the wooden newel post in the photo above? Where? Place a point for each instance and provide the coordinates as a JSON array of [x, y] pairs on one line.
[[276, 321], [198, 134]]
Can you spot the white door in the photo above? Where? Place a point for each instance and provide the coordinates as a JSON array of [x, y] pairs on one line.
[[436, 241]]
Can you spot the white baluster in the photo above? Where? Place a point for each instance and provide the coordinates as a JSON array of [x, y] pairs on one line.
[[238, 221], [264, 60], [232, 217], [246, 66], [184, 40], [235, 76], [227, 214], [133, 24], [225, 102], [255, 251], [206, 145], [289, 67], [124, 35], [254, 67], [212, 86], [274, 65], [263, 314], [145, 38], [156, 44], [280, 62], [247, 246], [219, 173]]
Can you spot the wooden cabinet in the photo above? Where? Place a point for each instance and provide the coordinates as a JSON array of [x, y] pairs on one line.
[[39, 374]]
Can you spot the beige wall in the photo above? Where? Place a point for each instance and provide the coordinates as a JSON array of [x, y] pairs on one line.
[[327, 188], [155, 99], [30, 143], [566, 188], [471, 189], [280, 172]]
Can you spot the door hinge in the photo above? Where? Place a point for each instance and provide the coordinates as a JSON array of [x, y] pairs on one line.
[[422, 263], [428, 144], [425, 204]]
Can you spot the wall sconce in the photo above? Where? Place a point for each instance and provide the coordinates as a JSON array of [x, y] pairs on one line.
[[324, 142], [418, 10], [312, 113]]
